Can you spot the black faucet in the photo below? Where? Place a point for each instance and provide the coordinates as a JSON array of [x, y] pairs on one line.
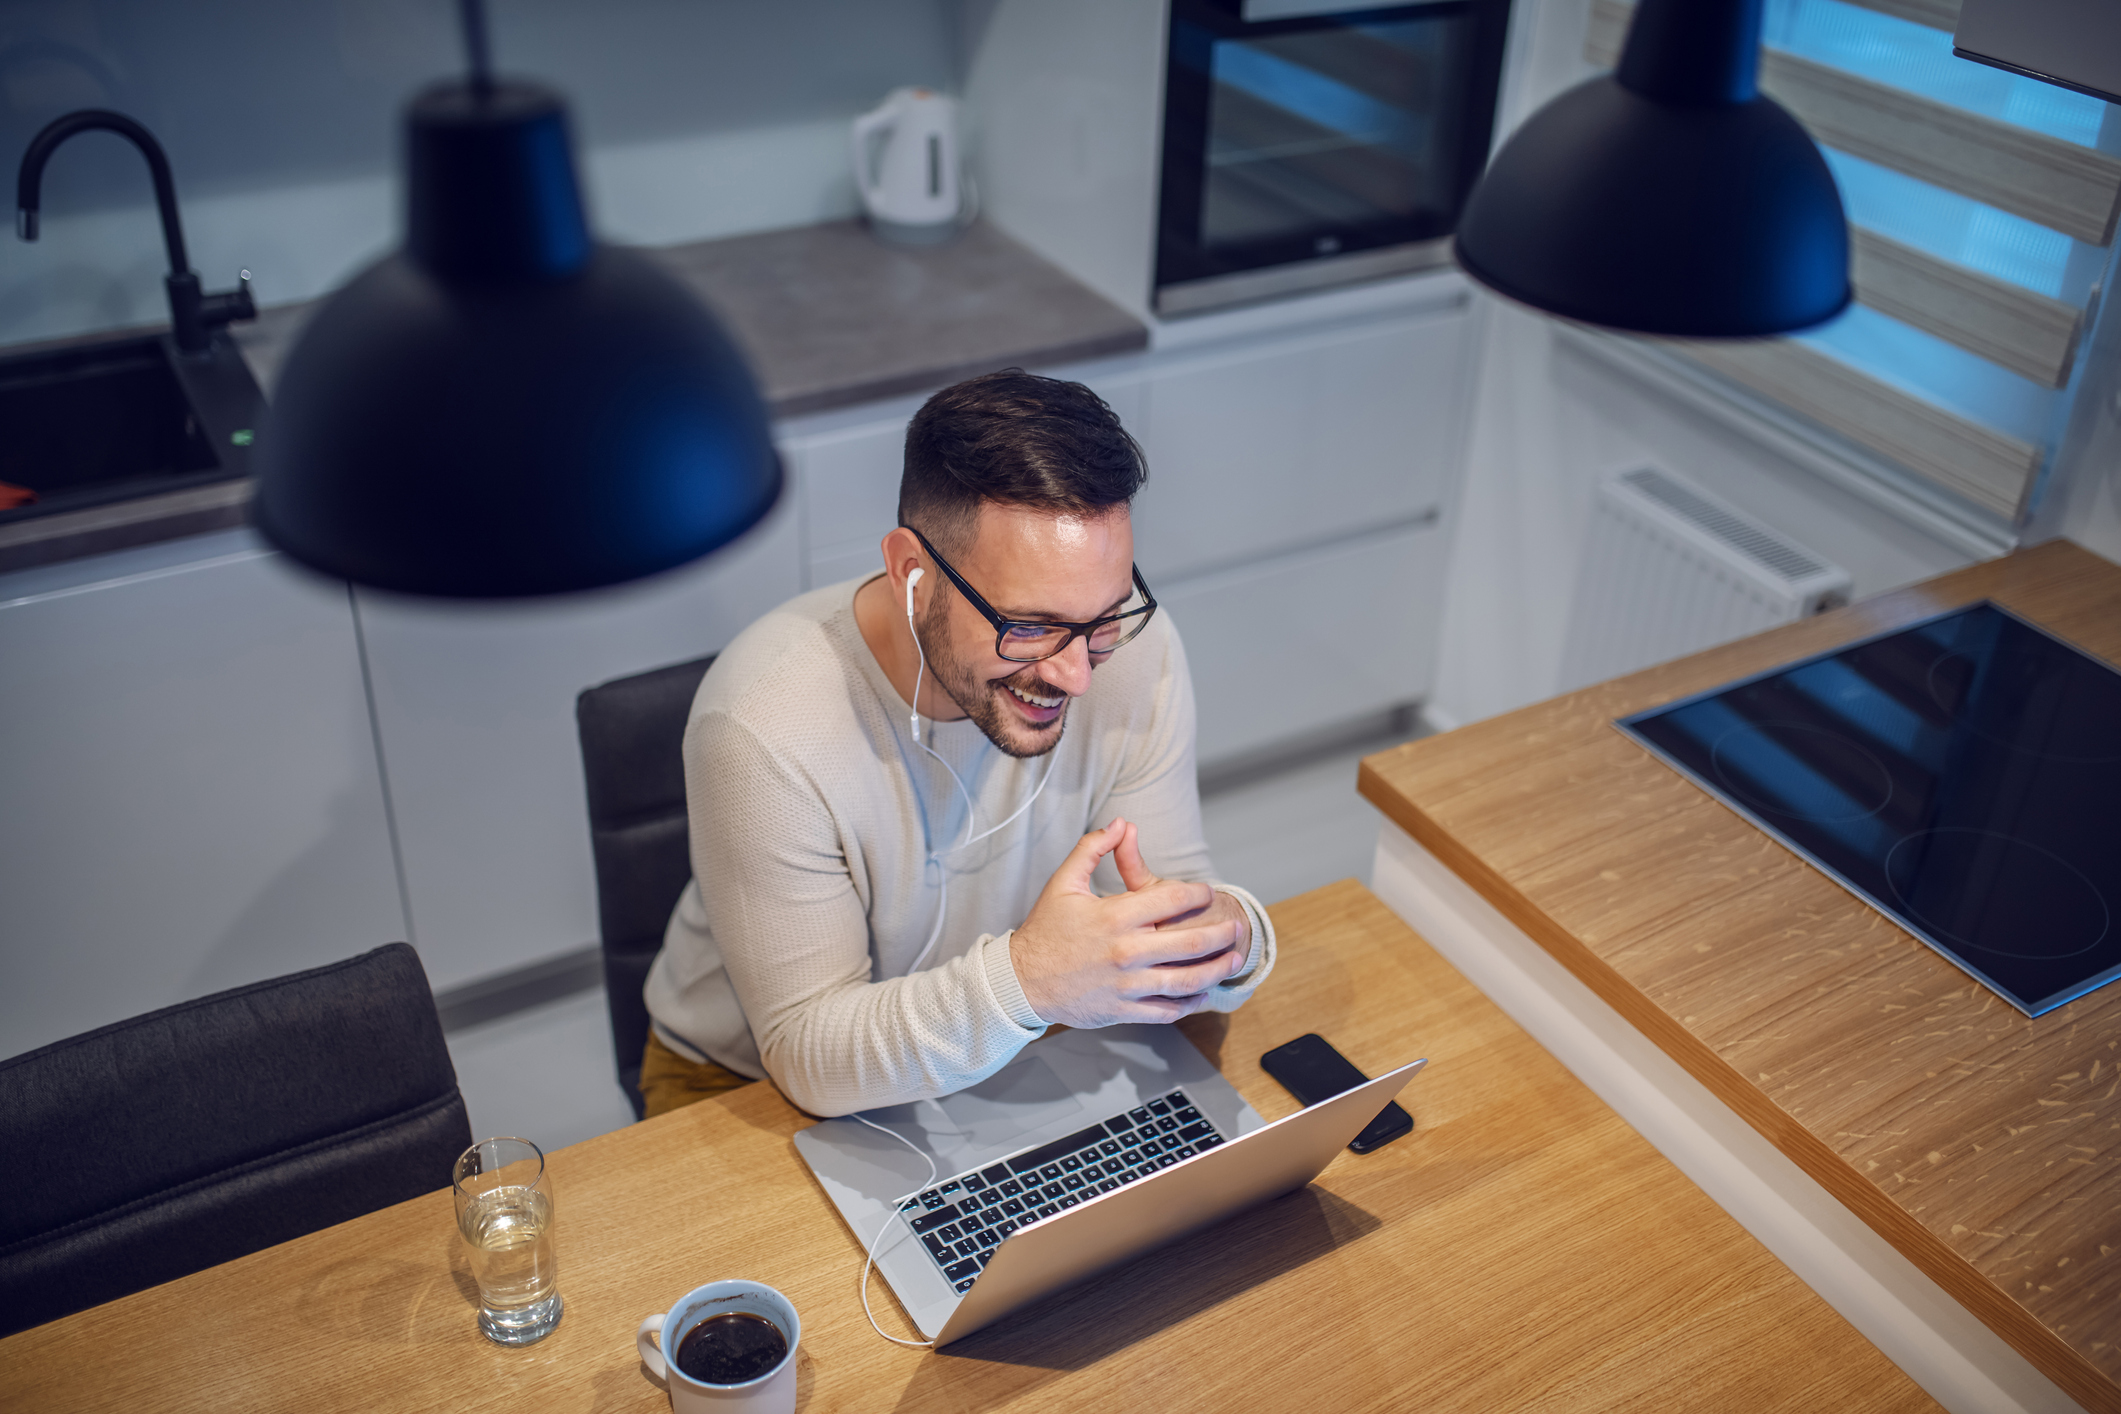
[[193, 314]]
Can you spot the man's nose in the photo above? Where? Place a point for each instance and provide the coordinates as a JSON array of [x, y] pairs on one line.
[[1069, 669]]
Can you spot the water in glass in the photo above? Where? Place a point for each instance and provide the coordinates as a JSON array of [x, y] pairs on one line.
[[510, 1232], [504, 1211]]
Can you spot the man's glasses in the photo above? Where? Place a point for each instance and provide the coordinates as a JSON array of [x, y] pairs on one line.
[[1031, 640]]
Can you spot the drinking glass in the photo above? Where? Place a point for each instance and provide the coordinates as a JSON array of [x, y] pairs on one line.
[[504, 1209]]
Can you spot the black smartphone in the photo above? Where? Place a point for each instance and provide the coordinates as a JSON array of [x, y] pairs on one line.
[[1311, 1070]]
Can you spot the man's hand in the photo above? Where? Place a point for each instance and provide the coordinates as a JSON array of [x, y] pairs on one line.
[[1149, 954], [1136, 876]]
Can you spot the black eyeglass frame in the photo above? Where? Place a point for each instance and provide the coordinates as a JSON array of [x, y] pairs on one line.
[[1002, 626]]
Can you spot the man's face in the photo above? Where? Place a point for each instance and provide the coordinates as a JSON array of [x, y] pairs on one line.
[[1028, 565]]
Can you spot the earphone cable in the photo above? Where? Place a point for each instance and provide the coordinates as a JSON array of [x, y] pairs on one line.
[[941, 912], [869, 1260], [971, 806]]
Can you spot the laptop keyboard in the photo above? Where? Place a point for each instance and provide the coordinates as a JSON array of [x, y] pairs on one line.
[[962, 1220]]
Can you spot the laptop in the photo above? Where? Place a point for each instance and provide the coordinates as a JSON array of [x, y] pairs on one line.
[[1088, 1150]]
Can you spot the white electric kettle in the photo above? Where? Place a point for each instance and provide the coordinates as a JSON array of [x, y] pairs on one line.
[[905, 167]]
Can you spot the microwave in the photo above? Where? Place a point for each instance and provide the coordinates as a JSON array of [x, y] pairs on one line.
[[1309, 143]]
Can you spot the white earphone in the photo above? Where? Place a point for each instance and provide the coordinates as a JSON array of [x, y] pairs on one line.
[[935, 856], [911, 580]]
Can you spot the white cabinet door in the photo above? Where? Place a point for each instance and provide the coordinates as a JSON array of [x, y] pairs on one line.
[[474, 708], [1304, 641], [1288, 443], [849, 472], [188, 789]]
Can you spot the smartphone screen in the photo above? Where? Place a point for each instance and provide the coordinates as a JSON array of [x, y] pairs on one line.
[[1311, 1070]]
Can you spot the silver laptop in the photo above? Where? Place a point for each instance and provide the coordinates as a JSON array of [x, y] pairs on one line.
[[1089, 1149]]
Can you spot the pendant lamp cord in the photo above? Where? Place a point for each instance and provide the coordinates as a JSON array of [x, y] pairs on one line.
[[478, 53]]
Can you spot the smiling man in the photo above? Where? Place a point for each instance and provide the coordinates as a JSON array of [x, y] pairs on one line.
[[936, 810]]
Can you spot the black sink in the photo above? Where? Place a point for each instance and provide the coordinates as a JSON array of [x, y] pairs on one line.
[[92, 423], [111, 442]]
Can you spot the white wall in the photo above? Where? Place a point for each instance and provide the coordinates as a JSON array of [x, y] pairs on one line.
[[1550, 419], [696, 119], [2089, 512], [2083, 499]]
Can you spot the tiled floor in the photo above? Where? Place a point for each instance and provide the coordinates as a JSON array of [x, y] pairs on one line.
[[547, 1073]]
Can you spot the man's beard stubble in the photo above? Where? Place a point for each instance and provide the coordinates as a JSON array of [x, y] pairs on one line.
[[970, 692]]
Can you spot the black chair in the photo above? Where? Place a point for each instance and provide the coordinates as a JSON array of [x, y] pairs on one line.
[[159, 1146], [633, 732]]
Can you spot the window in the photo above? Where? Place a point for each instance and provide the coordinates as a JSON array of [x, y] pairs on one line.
[[1981, 207]]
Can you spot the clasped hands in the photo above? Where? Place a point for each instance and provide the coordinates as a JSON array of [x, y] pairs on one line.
[[1149, 954]]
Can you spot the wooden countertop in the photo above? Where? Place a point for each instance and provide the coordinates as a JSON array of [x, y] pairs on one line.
[[1983, 1145], [1522, 1248]]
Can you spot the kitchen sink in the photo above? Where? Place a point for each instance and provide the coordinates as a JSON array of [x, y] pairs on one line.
[[95, 422]]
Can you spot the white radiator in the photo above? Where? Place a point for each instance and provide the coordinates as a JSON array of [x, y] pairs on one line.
[[1669, 570]]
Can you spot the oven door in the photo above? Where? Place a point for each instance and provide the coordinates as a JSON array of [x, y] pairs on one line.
[[1308, 149]]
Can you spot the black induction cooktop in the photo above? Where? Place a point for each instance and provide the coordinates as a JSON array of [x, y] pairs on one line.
[[1962, 776]]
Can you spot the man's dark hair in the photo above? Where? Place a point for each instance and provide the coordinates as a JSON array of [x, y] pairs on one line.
[[1019, 440]]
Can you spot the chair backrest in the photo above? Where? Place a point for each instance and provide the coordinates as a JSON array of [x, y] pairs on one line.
[[633, 734], [159, 1146]]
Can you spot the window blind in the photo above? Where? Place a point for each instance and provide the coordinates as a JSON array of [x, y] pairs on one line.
[[2043, 197]]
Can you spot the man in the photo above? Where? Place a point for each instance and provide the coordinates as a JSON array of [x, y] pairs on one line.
[[890, 785]]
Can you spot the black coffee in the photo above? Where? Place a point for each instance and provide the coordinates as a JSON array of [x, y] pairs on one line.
[[731, 1348]]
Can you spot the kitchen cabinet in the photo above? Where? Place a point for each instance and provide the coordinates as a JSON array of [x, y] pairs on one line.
[[847, 464], [192, 799], [1289, 442], [1300, 642], [474, 713], [1299, 489], [208, 752]]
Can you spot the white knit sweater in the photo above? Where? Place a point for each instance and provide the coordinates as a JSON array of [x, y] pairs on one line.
[[821, 836]]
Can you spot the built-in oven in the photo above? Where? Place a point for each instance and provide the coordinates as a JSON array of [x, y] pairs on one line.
[[1317, 142]]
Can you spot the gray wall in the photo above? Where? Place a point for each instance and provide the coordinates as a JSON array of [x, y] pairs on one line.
[[697, 118]]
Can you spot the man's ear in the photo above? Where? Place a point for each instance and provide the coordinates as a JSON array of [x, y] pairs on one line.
[[902, 556]]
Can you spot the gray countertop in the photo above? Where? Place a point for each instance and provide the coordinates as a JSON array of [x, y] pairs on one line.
[[831, 317], [828, 316]]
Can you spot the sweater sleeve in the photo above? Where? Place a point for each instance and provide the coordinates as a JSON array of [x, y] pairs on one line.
[[783, 911], [1158, 788]]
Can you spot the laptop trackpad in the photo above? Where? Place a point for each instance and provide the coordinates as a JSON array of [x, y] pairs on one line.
[[995, 1113]]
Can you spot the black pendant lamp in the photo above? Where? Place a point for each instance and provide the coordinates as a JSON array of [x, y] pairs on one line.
[[507, 407], [1668, 197]]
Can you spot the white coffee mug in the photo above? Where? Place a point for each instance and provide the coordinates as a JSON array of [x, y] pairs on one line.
[[660, 1334]]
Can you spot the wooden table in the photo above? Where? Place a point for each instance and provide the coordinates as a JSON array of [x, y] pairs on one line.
[[1979, 1143], [1522, 1249]]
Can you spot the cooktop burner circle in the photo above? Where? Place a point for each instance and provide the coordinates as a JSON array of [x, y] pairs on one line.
[[1956, 879], [1837, 779], [1951, 679]]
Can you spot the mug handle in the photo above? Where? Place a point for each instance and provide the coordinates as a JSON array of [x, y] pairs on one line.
[[645, 1340]]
